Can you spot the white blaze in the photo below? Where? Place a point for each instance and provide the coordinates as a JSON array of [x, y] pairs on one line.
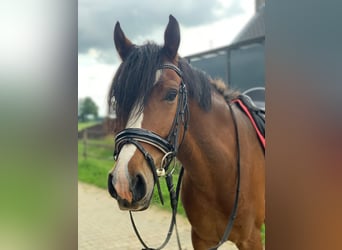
[[158, 75], [127, 151], [134, 121]]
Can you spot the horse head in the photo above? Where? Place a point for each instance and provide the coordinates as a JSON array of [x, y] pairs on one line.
[[149, 97]]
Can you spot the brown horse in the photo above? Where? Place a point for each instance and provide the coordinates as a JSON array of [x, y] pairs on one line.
[[150, 91]]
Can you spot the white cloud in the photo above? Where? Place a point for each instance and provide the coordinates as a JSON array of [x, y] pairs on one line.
[[206, 37], [94, 80]]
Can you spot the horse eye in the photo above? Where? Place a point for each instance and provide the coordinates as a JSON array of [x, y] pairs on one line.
[[171, 95]]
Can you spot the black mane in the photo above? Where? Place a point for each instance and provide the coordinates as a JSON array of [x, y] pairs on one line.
[[198, 84], [134, 80]]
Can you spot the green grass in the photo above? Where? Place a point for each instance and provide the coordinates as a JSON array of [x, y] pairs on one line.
[[92, 170], [263, 235], [83, 125], [96, 176]]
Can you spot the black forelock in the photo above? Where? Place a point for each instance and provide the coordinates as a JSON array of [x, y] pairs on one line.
[[134, 79]]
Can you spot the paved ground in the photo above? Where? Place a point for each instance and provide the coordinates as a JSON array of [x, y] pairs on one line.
[[101, 225]]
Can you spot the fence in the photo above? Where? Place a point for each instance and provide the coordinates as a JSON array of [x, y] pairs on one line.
[[92, 147]]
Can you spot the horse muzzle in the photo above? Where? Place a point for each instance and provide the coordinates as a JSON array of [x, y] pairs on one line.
[[133, 195]]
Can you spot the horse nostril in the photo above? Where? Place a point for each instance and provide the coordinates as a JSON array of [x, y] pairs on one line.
[[138, 187], [111, 188]]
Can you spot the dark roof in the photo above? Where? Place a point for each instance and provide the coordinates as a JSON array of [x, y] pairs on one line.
[[255, 28]]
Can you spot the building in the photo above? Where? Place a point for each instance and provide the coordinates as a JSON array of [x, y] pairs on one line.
[[242, 63]]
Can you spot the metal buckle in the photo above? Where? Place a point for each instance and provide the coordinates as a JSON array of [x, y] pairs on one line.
[[160, 172]]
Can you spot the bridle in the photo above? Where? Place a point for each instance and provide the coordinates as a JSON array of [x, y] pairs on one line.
[[169, 146]]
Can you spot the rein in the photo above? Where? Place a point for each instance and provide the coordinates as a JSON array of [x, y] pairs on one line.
[[169, 147], [233, 214]]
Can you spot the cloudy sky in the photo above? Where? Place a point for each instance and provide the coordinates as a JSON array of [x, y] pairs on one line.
[[204, 25]]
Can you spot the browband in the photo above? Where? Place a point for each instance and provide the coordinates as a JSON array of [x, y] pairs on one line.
[[127, 135]]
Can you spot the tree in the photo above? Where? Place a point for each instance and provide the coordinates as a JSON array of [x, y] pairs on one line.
[[87, 107]]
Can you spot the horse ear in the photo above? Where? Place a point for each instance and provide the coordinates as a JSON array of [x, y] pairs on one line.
[[122, 44], [171, 38]]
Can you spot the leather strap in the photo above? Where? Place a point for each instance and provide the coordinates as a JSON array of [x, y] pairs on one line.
[[236, 202]]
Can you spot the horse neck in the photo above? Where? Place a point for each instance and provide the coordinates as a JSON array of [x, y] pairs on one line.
[[210, 140]]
